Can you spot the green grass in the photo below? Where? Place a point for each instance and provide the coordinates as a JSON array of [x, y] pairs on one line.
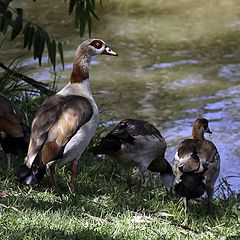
[[103, 208]]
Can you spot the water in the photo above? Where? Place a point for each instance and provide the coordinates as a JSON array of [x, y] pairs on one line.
[[178, 60]]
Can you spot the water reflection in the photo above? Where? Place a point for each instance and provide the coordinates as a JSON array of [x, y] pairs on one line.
[[173, 64]]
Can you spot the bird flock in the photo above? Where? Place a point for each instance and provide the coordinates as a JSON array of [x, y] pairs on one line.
[[65, 123]]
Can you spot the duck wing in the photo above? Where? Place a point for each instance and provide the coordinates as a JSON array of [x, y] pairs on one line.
[[113, 141], [125, 132], [136, 127], [10, 119]]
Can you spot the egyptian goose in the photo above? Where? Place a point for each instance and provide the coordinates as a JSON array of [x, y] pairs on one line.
[[196, 164], [136, 143], [14, 134], [66, 122]]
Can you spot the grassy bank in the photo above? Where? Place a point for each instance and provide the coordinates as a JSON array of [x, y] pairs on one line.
[[103, 208]]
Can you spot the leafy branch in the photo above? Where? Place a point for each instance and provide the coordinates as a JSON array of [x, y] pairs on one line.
[[84, 13], [35, 37]]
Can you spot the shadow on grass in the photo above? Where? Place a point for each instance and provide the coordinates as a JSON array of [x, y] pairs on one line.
[[41, 233], [102, 192]]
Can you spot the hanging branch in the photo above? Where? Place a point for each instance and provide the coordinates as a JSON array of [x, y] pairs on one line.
[[35, 37]]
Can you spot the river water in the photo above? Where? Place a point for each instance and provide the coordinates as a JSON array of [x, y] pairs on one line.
[[178, 60]]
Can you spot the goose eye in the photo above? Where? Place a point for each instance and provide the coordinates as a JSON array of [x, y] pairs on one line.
[[96, 43]]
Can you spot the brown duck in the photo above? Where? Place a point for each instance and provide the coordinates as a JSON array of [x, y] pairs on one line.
[[196, 164], [14, 134]]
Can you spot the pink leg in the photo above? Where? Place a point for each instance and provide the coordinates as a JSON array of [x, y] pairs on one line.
[[52, 169], [74, 175]]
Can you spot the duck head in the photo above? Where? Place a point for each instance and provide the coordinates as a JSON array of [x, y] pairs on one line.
[[168, 179], [200, 127]]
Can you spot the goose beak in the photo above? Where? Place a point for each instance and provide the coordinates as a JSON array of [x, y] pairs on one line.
[[109, 51]]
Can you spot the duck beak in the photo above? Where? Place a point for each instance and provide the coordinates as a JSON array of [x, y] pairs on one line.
[[109, 51], [209, 131]]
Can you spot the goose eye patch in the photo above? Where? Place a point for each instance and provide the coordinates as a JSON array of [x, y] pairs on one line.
[[96, 43]]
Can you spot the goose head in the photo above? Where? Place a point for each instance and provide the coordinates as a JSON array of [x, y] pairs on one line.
[[83, 56], [93, 47]]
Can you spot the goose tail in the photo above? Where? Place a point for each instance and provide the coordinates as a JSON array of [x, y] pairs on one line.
[[33, 175]]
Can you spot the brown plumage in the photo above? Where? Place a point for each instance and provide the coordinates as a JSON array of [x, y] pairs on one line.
[[66, 122], [14, 134], [137, 143], [196, 164]]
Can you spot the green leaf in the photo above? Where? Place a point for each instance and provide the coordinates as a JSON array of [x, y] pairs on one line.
[[6, 21], [30, 37], [19, 12], [49, 46], [91, 8], [39, 43], [26, 33], [41, 46], [77, 14], [89, 25], [17, 27], [26, 28], [60, 50], [83, 21], [94, 14], [8, 14], [36, 43], [88, 17], [93, 4], [53, 53], [71, 6], [101, 3], [83, 18], [26, 37]]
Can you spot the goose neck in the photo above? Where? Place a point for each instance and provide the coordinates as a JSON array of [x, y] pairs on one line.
[[80, 68]]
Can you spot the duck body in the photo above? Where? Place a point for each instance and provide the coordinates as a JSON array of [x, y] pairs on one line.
[[136, 143], [14, 134], [66, 122], [196, 164], [191, 185]]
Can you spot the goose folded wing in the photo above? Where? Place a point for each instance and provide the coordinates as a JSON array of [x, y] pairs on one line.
[[56, 121]]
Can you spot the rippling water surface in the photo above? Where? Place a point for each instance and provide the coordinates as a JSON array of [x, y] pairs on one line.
[[178, 60]]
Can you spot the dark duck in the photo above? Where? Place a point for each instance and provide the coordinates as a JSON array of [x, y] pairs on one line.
[[137, 143]]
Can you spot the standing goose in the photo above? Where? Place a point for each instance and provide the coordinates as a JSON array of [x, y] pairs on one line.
[[66, 122], [196, 164], [136, 143], [14, 134]]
